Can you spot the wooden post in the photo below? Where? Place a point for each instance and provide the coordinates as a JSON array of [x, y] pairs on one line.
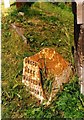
[[78, 10]]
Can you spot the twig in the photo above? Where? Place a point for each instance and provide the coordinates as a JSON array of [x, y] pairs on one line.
[[19, 33]]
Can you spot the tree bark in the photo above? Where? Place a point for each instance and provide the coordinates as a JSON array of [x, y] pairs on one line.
[[79, 42]]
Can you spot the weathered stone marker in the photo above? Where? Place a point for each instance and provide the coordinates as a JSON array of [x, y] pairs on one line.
[[52, 64]]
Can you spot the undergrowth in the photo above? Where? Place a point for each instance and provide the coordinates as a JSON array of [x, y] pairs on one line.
[[46, 25]]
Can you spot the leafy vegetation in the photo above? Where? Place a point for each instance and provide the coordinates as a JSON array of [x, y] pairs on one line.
[[46, 25], [47, 82]]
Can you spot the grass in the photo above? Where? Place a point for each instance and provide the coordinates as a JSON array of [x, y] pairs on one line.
[[46, 25]]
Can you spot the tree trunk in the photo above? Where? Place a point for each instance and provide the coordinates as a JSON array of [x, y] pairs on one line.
[[79, 41]]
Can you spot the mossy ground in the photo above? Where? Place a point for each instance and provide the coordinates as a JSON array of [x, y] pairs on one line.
[[46, 25]]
